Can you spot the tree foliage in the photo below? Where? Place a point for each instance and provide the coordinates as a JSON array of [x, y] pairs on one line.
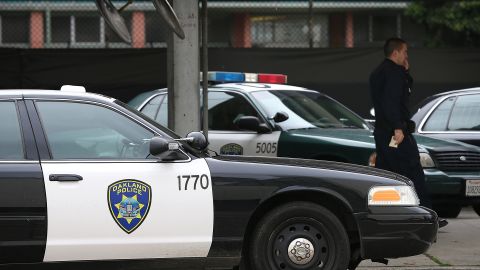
[[449, 23]]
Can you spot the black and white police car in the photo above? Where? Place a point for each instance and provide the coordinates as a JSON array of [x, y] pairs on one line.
[[86, 178]]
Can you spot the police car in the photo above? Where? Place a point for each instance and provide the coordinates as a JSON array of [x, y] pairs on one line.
[[258, 114], [86, 178]]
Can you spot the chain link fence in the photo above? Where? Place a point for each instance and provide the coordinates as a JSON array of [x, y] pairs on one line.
[[237, 24]]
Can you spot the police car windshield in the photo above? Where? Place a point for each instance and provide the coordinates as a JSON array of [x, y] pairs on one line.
[[307, 109]]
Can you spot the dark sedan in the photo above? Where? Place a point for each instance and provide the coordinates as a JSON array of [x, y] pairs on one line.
[[451, 115]]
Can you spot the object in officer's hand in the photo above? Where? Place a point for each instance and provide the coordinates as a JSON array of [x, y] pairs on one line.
[[393, 143]]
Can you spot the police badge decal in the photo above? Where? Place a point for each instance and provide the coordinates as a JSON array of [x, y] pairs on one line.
[[129, 201]]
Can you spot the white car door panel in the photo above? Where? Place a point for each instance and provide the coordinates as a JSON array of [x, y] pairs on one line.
[[81, 226], [244, 143], [107, 198]]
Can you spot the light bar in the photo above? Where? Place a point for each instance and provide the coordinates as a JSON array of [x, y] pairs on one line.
[[226, 77], [73, 88], [272, 78]]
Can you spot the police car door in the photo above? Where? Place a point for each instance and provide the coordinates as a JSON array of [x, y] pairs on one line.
[[108, 199], [225, 137]]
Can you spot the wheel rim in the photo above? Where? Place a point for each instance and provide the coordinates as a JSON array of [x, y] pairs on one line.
[[300, 243]]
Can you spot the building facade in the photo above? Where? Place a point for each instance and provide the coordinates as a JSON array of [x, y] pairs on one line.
[[237, 24]]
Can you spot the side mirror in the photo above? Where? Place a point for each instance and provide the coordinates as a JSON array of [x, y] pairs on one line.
[[164, 149], [280, 117], [252, 123], [197, 140]]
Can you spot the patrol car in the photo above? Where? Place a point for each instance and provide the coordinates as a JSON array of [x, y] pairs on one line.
[[86, 178], [258, 114]]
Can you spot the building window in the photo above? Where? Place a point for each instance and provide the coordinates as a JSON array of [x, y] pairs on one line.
[[87, 29], [156, 30], [60, 29], [15, 28], [288, 31], [79, 30]]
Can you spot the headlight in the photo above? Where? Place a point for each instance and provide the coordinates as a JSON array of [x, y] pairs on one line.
[[392, 195], [426, 160]]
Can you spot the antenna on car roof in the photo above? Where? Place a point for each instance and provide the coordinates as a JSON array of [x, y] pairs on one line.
[[116, 22]]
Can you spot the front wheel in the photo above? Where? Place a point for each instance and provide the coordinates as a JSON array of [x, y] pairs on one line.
[[299, 235]]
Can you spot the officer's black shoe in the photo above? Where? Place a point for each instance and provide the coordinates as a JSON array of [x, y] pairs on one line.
[[442, 223]]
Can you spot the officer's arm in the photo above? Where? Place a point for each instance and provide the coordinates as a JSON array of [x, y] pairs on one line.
[[409, 79], [392, 98]]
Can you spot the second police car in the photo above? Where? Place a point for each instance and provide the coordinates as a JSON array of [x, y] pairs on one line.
[[258, 114], [85, 178]]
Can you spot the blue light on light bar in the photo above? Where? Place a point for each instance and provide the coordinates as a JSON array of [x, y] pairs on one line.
[[216, 76]]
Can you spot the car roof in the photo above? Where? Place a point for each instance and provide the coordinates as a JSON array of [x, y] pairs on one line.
[[53, 94], [241, 87], [252, 87], [459, 91]]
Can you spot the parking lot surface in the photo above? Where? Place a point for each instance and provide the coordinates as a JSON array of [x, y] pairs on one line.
[[457, 247]]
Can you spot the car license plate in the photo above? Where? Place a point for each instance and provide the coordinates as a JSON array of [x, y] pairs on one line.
[[472, 188]]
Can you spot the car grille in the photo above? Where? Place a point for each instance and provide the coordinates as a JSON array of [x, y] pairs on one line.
[[458, 161]]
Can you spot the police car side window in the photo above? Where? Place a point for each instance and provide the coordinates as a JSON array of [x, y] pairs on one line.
[[225, 107], [11, 146], [87, 131]]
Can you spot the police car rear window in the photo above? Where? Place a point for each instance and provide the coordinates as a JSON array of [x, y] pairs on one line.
[[11, 146]]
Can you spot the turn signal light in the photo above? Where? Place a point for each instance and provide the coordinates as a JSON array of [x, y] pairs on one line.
[[386, 195], [392, 196]]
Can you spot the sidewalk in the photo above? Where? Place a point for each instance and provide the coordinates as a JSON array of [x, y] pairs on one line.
[[457, 247]]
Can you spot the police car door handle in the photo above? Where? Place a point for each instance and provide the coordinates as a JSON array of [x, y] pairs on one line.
[[65, 177]]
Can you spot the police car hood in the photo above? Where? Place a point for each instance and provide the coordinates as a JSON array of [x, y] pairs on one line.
[[351, 137], [320, 164]]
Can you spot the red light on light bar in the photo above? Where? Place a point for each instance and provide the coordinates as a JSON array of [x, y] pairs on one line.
[[272, 78]]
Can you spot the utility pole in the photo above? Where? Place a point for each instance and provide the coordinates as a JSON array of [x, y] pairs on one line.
[[205, 67], [310, 24], [183, 72]]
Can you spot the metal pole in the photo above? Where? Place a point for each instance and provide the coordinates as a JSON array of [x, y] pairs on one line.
[[186, 69], [205, 67], [170, 84], [310, 23]]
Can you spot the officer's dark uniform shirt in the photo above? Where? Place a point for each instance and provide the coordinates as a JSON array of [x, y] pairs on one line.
[[390, 86], [390, 91]]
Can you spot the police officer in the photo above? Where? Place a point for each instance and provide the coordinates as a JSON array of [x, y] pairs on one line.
[[390, 89]]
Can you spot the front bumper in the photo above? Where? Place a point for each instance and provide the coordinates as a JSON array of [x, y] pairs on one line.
[[449, 187], [394, 231]]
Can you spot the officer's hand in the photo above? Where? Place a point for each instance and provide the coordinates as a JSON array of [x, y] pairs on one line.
[[406, 64], [398, 136]]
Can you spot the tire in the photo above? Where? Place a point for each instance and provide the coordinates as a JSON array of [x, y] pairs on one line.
[[297, 227], [476, 208], [448, 211]]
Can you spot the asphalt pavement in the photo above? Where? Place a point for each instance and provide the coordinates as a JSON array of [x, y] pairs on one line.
[[457, 248]]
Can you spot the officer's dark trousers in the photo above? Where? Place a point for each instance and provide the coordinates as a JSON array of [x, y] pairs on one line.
[[404, 160]]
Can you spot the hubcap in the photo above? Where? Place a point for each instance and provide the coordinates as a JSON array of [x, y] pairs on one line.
[[299, 243], [301, 251]]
